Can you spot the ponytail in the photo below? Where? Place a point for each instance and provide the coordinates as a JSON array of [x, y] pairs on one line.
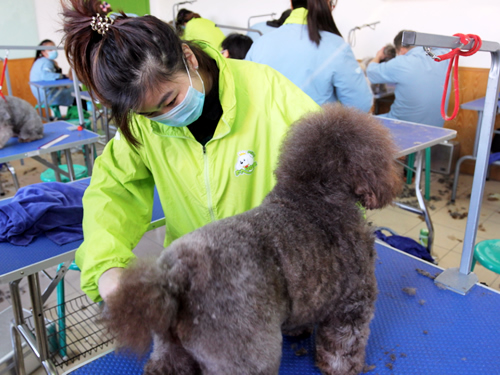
[[120, 66], [319, 18]]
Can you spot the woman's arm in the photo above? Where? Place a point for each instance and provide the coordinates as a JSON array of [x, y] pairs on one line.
[[117, 211]]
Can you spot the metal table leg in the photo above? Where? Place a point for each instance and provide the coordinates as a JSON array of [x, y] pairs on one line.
[[69, 163], [18, 321], [467, 157], [39, 322], [53, 155]]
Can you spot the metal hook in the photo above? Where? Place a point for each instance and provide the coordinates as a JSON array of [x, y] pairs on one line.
[[431, 54]]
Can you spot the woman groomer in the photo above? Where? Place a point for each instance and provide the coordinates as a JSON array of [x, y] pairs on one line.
[[309, 50], [186, 117]]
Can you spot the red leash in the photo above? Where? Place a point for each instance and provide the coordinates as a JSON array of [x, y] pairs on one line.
[[3, 75], [453, 55]]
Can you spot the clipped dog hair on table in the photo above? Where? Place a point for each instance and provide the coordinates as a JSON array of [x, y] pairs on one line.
[[218, 300], [19, 119]]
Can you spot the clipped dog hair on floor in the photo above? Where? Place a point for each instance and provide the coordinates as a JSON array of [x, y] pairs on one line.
[[218, 300], [19, 119]]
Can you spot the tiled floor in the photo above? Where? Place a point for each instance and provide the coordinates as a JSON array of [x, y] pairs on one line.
[[449, 231]]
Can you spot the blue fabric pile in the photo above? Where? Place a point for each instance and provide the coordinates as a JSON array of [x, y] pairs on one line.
[[405, 244], [52, 208]]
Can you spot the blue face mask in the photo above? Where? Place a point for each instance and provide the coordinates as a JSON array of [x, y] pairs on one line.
[[188, 111], [52, 55]]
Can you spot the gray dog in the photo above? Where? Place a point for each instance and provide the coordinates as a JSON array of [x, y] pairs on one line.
[[19, 119], [218, 299]]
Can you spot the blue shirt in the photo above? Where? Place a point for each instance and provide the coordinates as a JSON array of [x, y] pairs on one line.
[[44, 69], [327, 73], [263, 27], [419, 85]]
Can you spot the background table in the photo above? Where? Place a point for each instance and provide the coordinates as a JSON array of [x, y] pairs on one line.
[[14, 150], [59, 84], [434, 332], [478, 106], [410, 138]]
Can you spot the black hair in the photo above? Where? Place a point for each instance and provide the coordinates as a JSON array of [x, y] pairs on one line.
[[280, 21], [38, 53], [319, 18], [398, 41], [183, 16], [135, 55], [237, 45]]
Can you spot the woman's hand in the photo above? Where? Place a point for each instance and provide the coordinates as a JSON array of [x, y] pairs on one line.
[[109, 281]]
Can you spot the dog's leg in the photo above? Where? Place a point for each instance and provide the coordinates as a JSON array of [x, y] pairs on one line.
[[253, 350], [341, 341], [169, 358]]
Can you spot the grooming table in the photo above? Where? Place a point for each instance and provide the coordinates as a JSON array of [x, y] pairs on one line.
[[17, 262], [433, 332], [478, 106], [14, 150], [58, 84], [410, 138]]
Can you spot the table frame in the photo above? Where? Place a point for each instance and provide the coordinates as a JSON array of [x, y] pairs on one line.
[[475, 105]]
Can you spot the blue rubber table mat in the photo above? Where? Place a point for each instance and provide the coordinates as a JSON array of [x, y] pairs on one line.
[[14, 258], [411, 137], [51, 130], [434, 332]]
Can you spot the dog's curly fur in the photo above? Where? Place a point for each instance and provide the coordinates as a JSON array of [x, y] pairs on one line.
[[218, 299], [19, 119]]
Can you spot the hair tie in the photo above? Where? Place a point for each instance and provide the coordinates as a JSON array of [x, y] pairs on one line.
[[101, 24]]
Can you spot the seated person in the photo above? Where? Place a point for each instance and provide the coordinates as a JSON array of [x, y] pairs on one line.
[[45, 68], [191, 26], [419, 82], [236, 46]]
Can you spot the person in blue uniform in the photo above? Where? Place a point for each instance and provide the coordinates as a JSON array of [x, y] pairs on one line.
[[310, 51], [419, 82], [45, 68]]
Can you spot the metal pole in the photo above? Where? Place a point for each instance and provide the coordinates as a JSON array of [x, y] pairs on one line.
[[261, 15], [239, 28], [461, 280]]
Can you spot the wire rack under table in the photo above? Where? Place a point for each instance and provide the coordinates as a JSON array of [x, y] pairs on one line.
[[84, 332]]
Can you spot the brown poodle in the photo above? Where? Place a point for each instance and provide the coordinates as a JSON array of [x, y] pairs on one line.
[[218, 299]]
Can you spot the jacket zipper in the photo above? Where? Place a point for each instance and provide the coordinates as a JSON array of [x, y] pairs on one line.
[[207, 185]]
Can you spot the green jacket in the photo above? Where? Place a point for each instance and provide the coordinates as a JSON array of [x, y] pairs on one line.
[[196, 184], [204, 30]]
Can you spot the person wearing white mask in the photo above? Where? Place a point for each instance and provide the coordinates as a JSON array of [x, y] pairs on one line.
[[45, 68], [203, 129]]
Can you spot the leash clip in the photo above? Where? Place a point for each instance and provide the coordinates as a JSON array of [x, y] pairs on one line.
[[431, 54]]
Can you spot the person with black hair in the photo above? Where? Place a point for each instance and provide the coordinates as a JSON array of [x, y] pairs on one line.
[[268, 26], [309, 50], [419, 82], [236, 46], [191, 26], [45, 68], [205, 130]]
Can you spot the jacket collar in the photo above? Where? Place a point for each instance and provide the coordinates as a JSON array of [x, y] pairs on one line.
[[298, 16], [227, 99]]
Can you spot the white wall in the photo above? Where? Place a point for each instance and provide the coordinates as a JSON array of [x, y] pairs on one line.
[[445, 17], [18, 27]]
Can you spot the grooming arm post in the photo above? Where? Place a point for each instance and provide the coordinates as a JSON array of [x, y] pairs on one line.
[[461, 280]]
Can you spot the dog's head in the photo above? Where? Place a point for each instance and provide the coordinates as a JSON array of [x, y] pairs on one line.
[[341, 150]]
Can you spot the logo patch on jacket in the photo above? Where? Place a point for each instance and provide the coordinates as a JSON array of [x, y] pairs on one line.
[[246, 163]]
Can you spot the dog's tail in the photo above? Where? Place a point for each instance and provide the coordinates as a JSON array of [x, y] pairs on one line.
[[341, 151], [145, 301]]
